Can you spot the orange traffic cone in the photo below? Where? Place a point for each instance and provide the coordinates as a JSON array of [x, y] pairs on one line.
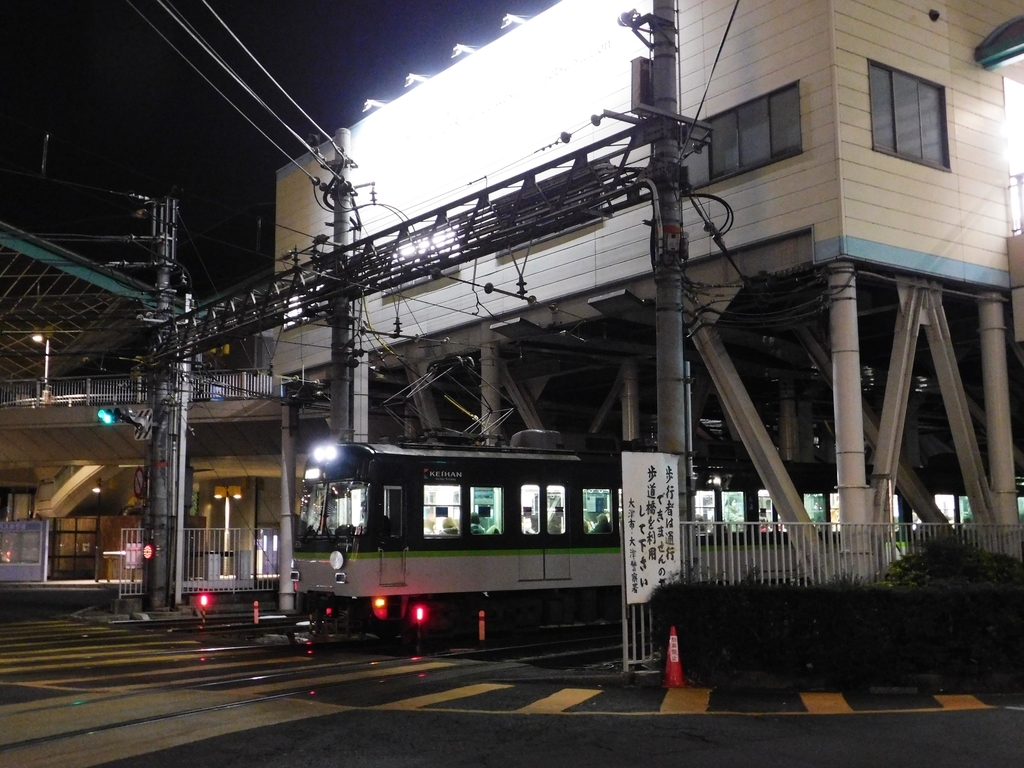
[[674, 667]]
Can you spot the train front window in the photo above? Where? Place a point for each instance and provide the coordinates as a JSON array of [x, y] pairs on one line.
[[346, 507], [485, 514], [328, 507], [442, 511]]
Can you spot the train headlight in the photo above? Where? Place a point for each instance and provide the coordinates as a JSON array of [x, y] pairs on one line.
[[380, 608], [337, 560], [324, 453]]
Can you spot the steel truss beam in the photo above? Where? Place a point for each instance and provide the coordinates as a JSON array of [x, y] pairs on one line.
[[908, 482], [957, 412], [897, 394], [576, 189]]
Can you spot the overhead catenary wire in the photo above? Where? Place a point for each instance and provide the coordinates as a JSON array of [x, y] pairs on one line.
[[271, 78], [222, 62], [219, 91]]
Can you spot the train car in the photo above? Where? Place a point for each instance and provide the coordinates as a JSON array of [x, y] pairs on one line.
[[530, 536]]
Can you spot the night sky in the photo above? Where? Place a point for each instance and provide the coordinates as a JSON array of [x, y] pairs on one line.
[[125, 113]]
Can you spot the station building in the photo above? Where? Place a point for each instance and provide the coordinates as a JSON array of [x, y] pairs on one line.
[[850, 309]]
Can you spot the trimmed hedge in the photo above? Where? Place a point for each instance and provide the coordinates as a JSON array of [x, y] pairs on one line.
[[846, 636]]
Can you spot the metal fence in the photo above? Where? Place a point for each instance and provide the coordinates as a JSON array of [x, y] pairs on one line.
[[129, 390], [129, 563], [213, 560], [234, 560], [819, 553]]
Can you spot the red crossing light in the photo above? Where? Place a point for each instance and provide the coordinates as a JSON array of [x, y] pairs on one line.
[[148, 550], [419, 614], [204, 601]]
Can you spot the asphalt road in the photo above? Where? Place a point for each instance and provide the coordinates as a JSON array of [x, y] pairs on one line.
[[74, 695]]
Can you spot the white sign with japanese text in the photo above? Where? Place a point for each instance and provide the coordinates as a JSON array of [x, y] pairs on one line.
[[651, 513]]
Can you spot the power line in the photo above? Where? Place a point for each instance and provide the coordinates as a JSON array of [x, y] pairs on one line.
[[218, 90]]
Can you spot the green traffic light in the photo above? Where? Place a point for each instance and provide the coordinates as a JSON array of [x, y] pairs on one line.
[[106, 416]]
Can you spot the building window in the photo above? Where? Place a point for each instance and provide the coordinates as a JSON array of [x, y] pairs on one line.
[[908, 116], [749, 136]]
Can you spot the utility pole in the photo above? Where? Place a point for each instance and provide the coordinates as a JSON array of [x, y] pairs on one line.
[[670, 244], [165, 236], [343, 359]]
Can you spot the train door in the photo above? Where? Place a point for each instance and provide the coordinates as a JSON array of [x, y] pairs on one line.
[[393, 548], [544, 526]]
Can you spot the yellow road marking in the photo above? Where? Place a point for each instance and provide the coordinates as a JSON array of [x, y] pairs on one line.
[[559, 702], [104, 660], [344, 677], [69, 630], [961, 701], [22, 722], [685, 701], [43, 653], [104, 746], [418, 702], [826, 704], [305, 662]]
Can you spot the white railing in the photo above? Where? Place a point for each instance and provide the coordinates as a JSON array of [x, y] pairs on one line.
[[234, 560], [129, 390], [129, 563], [213, 560], [819, 553]]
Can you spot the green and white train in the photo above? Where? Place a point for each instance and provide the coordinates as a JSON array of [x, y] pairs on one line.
[[529, 536]]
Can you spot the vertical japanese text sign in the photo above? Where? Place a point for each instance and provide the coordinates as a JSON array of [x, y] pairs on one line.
[[650, 533]]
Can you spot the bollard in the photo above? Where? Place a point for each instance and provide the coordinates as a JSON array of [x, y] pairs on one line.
[[255, 611], [482, 626]]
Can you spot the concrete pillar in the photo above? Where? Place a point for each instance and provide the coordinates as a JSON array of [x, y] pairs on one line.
[[789, 430], [630, 399], [998, 435], [849, 418], [289, 435]]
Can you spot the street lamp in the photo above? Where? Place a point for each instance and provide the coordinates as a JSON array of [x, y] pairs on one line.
[[227, 493], [39, 338]]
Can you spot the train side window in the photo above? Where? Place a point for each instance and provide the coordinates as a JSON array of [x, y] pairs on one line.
[[597, 510], [442, 509], [556, 510], [529, 497], [734, 507], [485, 513], [392, 522]]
